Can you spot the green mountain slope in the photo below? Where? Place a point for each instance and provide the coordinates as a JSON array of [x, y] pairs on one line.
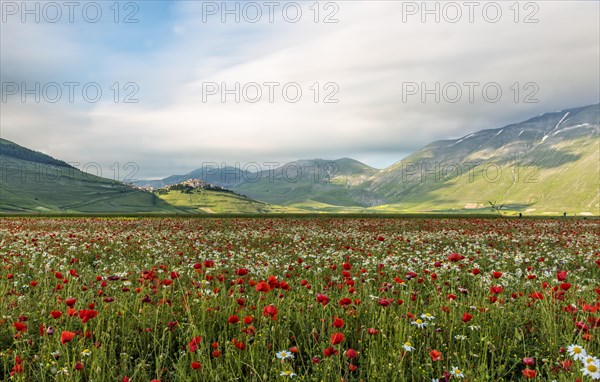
[[304, 183], [213, 173], [338, 182], [548, 164], [545, 165], [33, 187], [35, 182]]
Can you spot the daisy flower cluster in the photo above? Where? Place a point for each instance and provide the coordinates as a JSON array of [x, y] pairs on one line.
[[590, 364]]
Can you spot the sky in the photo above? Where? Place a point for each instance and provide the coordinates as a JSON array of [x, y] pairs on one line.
[[163, 87]]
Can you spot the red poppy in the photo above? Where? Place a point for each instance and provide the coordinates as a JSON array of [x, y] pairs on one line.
[[322, 299], [496, 274], [87, 315], [66, 336], [328, 352], [496, 289], [345, 301], [70, 301], [436, 355], [537, 296], [466, 317], [195, 365], [263, 287], [20, 327], [582, 326], [561, 275], [384, 302], [273, 282], [18, 367], [270, 311], [372, 331], [566, 364], [454, 257], [565, 286], [594, 321], [529, 361], [193, 344], [351, 353], [240, 345], [529, 373], [570, 309], [338, 323], [337, 338], [233, 319]]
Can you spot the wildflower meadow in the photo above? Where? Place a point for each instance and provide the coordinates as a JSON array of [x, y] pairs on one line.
[[310, 299]]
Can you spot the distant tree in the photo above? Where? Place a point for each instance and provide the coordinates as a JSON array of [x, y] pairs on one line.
[[496, 208]]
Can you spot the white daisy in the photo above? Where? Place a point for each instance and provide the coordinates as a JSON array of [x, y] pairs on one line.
[[592, 370], [284, 354], [408, 346], [455, 372], [577, 352], [427, 316], [287, 373], [590, 359], [419, 323]]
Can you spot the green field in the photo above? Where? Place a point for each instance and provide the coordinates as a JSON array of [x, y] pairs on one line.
[[218, 202]]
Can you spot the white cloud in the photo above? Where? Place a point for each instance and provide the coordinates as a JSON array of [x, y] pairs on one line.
[[369, 54]]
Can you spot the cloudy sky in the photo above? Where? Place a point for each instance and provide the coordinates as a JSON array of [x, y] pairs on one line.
[[190, 82]]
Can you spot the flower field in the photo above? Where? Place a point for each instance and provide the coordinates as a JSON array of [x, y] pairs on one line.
[[311, 299]]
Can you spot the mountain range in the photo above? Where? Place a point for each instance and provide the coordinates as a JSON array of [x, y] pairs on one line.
[[548, 164]]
